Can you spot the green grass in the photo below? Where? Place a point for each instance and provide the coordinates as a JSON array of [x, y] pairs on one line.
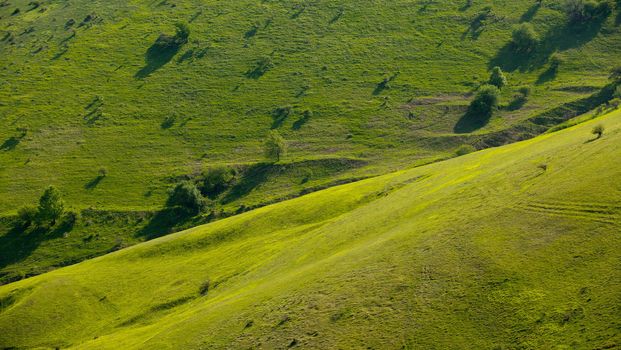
[[91, 96], [328, 58], [515, 247]]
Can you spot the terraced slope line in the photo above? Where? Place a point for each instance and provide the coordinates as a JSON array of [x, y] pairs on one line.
[[489, 250]]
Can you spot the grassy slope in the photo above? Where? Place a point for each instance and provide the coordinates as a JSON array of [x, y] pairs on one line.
[[482, 251], [328, 57]]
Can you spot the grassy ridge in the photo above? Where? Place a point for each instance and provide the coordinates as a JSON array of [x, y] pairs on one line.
[[512, 247]]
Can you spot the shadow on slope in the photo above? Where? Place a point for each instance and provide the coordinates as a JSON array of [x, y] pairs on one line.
[[559, 38], [156, 57]]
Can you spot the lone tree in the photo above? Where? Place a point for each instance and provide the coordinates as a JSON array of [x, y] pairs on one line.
[[485, 101], [598, 130], [498, 78], [525, 38], [51, 206], [275, 146]]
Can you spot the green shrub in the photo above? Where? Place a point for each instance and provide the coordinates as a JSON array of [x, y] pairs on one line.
[[525, 38], [598, 130], [166, 42], [51, 206], [26, 216], [217, 180], [584, 11], [182, 33], [464, 149], [275, 146], [103, 172], [485, 101], [498, 78], [186, 195]]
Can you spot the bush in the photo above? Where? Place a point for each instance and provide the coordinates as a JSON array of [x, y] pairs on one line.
[[51, 206], [217, 180], [26, 216], [165, 41], [524, 38], [584, 11], [615, 103], [103, 172], [598, 130], [182, 33], [498, 78], [485, 101], [275, 146], [186, 195], [465, 149]]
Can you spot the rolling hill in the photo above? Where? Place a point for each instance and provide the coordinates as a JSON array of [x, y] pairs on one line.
[[357, 89], [515, 247]]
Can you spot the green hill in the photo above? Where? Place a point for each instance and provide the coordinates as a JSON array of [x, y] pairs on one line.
[[515, 247], [357, 88]]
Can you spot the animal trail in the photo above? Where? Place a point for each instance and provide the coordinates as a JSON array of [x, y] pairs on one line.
[[609, 213]]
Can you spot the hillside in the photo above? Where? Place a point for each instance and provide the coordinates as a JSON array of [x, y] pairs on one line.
[[356, 88], [515, 247], [79, 77]]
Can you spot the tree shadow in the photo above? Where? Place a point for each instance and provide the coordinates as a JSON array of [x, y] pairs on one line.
[[297, 125], [560, 38], [471, 121], [279, 116], [156, 57], [530, 13], [517, 103], [252, 177], [18, 242], [164, 221], [466, 6], [10, 143], [548, 75], [93, 183]]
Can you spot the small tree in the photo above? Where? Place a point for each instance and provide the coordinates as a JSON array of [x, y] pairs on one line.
[[485, 101], [275, 146], [51, 206], [525, 38], [498, 78], [186, 195], [598, 130]]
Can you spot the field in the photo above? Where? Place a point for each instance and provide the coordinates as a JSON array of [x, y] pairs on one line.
[[515, 247], [357, 89]]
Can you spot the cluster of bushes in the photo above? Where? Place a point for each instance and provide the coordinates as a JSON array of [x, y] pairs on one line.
[[584, 11], [50, 210]]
